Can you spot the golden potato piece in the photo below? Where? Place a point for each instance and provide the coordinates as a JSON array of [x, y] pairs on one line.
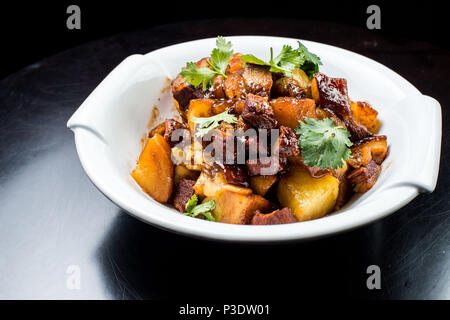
[[199, 108], [181, 172], [208, 186], [204, 108], [366, 115], [308, 198], [154, 171], [289, 111], [236, 208], [261, 184], [234, 86]]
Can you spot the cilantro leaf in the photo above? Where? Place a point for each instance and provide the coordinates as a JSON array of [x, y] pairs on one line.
[[205, 125], [312, 61], [221, 55], [284, 62], [323, 144], [250, 58], [288, 59], [196, 76], [204, 209], [191, 203], [218, 63]]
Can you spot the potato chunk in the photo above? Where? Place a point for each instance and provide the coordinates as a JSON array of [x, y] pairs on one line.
[[366, 115], [154, 172], [234, 86], [289, 111], [181, 172], [261, 184], [199, 108], [204, 108], [308, 198], [236, 208], [208, 186]]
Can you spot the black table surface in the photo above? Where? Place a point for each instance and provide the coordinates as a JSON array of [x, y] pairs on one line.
[[52, 217]]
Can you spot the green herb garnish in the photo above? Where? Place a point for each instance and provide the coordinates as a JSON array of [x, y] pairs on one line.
[[289, 59], [312, 62], [218, 62], [204, 209], [323, 144], [205, 125]]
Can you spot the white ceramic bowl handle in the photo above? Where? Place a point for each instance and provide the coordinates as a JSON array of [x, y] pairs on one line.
[[424, 142]]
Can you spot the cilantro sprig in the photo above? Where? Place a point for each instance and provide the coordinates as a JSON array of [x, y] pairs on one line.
[[312, 61], [205, 125], [289, 59], [204, 209], [218, 63], [323, 144]]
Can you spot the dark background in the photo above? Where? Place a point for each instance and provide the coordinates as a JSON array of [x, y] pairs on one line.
[[51, 216], [32, 30]]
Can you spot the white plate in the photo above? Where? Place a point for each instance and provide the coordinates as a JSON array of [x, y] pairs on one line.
[[109, 125]]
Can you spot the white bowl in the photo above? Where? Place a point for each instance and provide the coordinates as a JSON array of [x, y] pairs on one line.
[[109, 125]]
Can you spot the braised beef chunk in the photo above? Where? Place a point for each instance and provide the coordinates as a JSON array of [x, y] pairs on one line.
[[236, 174], [266, 166], [258, 79], [357, 130], [184, 92], [367, 149], [174, 132], [364, 178], [258, 112], [237, 107], [241, 125], [254, 146], [282, 216], [288, 87], [223, 146], [331, 93], [287, 143], [183, 192]]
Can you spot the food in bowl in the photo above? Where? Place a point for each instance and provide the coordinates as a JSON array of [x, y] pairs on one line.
[[261, 142]]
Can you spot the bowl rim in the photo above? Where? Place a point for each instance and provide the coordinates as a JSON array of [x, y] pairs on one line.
[[326, 226]]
